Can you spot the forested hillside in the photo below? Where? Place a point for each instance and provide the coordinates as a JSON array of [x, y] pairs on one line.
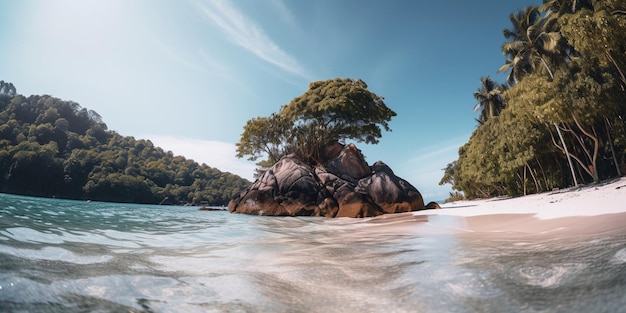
[[55, 148], [558, 120]]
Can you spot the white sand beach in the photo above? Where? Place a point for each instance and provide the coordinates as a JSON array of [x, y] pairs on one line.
[[580, 210], [589, 200], [584, 209]]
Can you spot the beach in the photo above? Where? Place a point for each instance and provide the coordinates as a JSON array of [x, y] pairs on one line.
[[588, 200], [585, 209]]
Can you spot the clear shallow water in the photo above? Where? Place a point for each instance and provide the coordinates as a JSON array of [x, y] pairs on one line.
[[72, 256]]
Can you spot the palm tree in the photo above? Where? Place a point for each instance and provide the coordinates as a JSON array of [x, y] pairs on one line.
[[565, 6], [532, 39], [489, 97], [529, 44]]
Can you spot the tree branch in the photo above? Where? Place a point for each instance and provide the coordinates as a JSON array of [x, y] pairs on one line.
[[593, 137], [621, 74]]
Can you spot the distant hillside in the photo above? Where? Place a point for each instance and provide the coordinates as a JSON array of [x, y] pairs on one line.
[[54, 148]]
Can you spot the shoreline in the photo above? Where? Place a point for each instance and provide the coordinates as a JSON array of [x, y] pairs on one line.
[[589, 200], [584, 210]]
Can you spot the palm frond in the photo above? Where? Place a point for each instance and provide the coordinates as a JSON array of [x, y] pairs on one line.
[[506, 66], [550, 41]]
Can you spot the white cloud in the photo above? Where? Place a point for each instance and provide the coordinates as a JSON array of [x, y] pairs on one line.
[[220, 155], [246, 33]]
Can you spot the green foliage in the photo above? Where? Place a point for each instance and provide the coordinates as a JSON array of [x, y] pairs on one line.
[[330, 111], [7, 89], [530, 44], [490, 100], [448, 174], [566, 104], [267, 136], [454, 196], [55, 148]]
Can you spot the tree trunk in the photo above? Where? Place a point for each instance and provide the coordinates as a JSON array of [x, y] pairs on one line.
[[608, 133], [590, 166], [619, 70], [569, 160], [546, 66], [543, 173], [524, 180], [534, 178], [593, 168]]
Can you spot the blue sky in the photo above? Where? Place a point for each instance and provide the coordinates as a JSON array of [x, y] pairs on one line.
[[188, 74]]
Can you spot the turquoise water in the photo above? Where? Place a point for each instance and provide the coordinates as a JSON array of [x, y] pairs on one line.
[[73, 256]]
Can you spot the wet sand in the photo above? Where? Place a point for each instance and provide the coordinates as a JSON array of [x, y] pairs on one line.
[[529, 224]]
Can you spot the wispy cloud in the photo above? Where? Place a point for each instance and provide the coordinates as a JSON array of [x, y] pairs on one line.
[[245, 33], [441, 152], [436, 154], [426, 166]]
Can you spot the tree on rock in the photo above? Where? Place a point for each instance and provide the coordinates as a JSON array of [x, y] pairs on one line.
[[330, 111], [264, 136]]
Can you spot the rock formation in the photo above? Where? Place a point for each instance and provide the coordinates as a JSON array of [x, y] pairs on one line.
[[344, 186]]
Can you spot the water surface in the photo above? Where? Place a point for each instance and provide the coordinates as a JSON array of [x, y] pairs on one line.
[[75, 256]]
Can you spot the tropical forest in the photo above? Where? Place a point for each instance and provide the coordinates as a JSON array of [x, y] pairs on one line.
[[55, 148], [557, 120]]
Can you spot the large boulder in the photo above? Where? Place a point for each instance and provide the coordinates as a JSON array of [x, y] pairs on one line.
[[287, 188], [349, 202], [349, 164], [345, 186], [390, 192]]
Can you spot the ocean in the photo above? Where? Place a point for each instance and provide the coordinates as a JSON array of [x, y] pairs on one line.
[[78, 256]]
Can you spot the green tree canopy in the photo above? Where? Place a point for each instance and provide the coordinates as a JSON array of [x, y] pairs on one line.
[[563, 122], [7, 88], [330, 111], [530, 43], [55, 148]]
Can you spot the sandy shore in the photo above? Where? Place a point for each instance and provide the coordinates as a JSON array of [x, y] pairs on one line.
[[583, 210], [590, 200]]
